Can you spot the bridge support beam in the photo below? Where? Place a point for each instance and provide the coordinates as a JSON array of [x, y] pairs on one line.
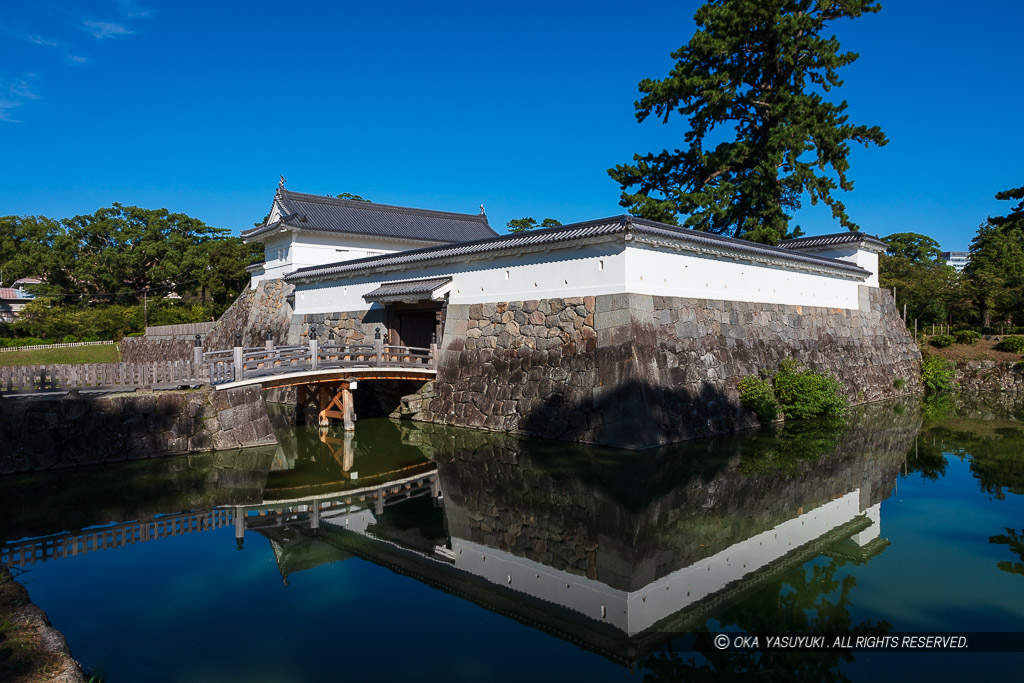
[[330, 400]]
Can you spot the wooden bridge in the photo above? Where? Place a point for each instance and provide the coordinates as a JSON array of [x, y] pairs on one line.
[[324, 374]]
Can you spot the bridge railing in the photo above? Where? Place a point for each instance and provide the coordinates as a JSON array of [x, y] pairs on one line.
[[240, 363]]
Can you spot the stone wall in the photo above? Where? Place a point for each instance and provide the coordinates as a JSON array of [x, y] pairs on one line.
[[253, 313], [143, 350], [50, 433], [349, 327], [989, 375], [636, 371]]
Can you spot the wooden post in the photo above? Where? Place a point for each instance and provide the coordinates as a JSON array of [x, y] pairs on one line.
[[313, 352], [433, 356], [378, 352], [197, 350], [347, 407], [269, 340], [239, 357], [325, 400]]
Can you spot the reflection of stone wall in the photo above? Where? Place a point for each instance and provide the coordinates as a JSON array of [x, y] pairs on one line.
[[636, 370], [126, 491], [627, 520], [51, 433]]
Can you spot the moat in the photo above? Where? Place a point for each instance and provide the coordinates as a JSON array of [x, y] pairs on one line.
[[419, 552]]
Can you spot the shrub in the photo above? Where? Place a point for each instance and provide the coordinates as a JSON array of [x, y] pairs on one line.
[[899, 383], [1013, 344], [967, 337], [936, 374], [941, 341], [757, 394], [797, 391], [802, 392], [1019, 366]]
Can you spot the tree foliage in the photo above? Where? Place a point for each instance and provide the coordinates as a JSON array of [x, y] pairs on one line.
[[120, 255], [930, 289], [529, 223], [762, 68], [996, 270]]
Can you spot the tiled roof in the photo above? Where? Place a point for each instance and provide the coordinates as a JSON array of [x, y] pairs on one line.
[[329, 214], [832, 240], [602, 227], [410, 288], [8, 293]]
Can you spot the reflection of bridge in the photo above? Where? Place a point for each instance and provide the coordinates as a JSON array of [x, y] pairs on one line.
[[21, 553], [311, 509]]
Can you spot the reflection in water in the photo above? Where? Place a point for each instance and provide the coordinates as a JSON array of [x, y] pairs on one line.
[[609, 550], [1016, 543], [618, 553]]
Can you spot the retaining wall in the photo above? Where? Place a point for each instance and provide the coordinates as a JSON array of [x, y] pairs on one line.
[[52, 433], [636, 371]]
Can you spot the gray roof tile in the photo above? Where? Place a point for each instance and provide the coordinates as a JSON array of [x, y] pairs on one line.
[[329, 214], [830, 240], [597, 228], [408, 288]]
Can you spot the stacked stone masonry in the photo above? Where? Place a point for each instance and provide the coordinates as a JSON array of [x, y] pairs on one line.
[[637, 371], [70, 431]]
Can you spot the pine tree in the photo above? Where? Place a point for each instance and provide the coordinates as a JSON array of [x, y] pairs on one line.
[[762, 68]]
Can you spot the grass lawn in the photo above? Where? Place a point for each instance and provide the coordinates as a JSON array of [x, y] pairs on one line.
[[104, 353]]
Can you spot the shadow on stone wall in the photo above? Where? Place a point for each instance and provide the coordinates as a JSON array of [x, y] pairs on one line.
[[43, 433]]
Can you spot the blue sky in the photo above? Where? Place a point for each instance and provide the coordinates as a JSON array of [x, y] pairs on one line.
[[198, 107]]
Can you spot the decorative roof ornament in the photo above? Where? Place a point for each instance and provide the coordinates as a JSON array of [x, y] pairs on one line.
[[280, 185], [482, 212]]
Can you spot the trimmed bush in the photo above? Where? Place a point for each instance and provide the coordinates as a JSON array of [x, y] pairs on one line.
[[967, 337], [795, 390], [936, 374], [1013, 344], [941, 341]]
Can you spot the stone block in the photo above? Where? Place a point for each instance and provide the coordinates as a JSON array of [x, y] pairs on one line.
[[611, 319]]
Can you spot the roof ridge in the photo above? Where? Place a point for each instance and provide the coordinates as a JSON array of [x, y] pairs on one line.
[[368, 205], [614, 224]]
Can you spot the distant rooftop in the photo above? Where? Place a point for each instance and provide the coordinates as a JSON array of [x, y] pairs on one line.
[[345, 216]]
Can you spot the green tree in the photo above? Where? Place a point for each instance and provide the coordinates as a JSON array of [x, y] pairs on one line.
[[28, 247], [352, 197], [995, 274], [127, 250], [931, 290], [528, 223], [761, 68], [913, 247]]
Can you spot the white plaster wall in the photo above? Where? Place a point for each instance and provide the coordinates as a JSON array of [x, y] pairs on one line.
[[851, 253], [588, 271], [594, 270], [319, 248], [650, 270]]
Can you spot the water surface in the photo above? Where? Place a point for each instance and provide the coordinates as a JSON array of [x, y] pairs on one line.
[[420, 552]]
